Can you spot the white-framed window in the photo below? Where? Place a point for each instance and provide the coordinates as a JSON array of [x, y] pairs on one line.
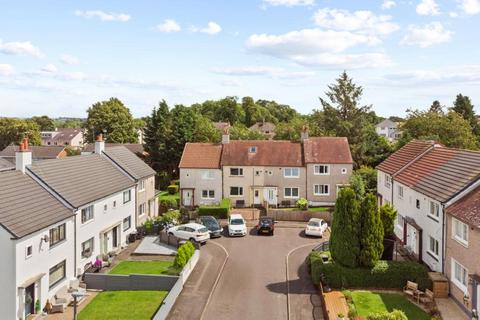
[[460, 231], [321, 169], [87, 214], [252, 149], [417, 203], [208, 175], [56, 274], [87, 248], [388, 181], [434, 210], [127, 223], [57, 234], [236, 191], [236, 172], [433, 247], [105, 207], [400, 221], [114, 204], [141, 185], [141, 209], [321, 189], [291, 192], [459, 275], [291, 172], [208, 194], [28, 251], [344, 170], [400, 192], [270, 173], [127, 196]]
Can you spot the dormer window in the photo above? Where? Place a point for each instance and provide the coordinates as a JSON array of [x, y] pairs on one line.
[[252, 149]]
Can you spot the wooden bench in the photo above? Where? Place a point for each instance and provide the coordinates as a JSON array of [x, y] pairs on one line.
[[411, 289]]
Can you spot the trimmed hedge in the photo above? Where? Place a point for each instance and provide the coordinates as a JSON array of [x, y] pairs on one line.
[[184, 253], [168, 203], [172, 189], [220, 211], [384, 274]]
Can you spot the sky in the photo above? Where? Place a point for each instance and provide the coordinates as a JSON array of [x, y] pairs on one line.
[[59, 57]]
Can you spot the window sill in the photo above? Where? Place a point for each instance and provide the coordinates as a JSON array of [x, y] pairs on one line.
[[321, 194], [291, 177], [436, 219], [459, 285], [57, 244], [238, 196], [461, 241]]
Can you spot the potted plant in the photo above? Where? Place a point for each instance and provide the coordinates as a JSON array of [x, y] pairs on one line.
[[340, 316], [37, 307]]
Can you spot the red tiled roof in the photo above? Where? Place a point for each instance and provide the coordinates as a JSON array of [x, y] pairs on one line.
[[405, 155], [327, 150], [268, 153], [201, 155], [467, 209]]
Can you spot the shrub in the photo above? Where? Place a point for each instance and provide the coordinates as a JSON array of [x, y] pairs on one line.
[[394, 315], [148, 225], [302, 204], [220, 211], [371, 235], [184, 253], [175, 182], [388, 215], [172, 189], [169, 217], [384, 274], [168, 203]]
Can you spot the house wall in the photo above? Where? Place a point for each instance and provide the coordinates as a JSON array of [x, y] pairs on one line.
[[143, 197], [406, 206], [42, 259], [7, 276], [193, 178], [333, 179], [466, 255], [103, 221], [384, 191]]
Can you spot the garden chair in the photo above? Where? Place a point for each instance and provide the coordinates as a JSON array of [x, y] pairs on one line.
[[411, 289], [428, 299]]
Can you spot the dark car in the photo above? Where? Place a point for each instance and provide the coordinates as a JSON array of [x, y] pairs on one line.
[[212, 225], [266, 225]]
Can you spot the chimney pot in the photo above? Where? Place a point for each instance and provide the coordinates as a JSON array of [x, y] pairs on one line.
[[23, 157], [99, 137]]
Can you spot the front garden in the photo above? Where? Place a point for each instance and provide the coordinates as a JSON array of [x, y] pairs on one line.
[[145, 267]]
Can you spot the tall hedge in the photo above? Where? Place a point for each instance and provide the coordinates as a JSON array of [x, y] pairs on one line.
[[344, 240], [388, 214], [220, 211], [371, 235]]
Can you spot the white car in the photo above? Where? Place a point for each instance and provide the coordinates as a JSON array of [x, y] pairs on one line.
[[194, 232], [316, 227], [237, 225]]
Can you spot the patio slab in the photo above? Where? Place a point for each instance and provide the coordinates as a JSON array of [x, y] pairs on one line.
[[450, 310], [151, 245]]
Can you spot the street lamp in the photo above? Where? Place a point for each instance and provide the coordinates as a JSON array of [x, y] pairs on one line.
[[76, 295]]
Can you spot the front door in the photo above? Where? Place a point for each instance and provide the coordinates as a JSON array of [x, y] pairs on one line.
[[30, 299], [270, 195], [105, 243], [478, 297], [187, 198], [115, 237], [256, 196]]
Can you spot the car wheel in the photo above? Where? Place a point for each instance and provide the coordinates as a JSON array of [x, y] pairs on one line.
[[170, 233], [271, 233]]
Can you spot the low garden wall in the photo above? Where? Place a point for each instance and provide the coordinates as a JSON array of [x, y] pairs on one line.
[[298, 215], [115, 282]]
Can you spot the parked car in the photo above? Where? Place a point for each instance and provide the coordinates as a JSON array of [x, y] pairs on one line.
[[316, 227], [212, 225], [194, 232], [265, 225], [237, 225]]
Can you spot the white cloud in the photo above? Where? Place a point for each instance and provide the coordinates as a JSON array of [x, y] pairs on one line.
[[103, 16], [289, 3], [360, 21], [6, 70], [427, 8], [350, 61], [388, 4], [49, 68], [20, 48], [273, 72], [69, 59], [77, 76], [427, 35], [453, 14], [211, 28], [454, 74], [169, 25], [470, 6]]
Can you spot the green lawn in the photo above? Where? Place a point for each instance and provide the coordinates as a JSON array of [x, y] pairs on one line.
[[367, 302], [166, 195], [145, 267], [123, 305]]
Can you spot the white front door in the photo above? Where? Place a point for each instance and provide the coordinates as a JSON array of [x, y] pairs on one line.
[[412, 238], [271, 195], [187, 197], [478, 296], [256, 196]]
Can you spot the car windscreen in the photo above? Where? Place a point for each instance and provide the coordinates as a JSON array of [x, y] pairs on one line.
[[202, 230], [236, 221], [313, 223], [210, 223], [266, 221]]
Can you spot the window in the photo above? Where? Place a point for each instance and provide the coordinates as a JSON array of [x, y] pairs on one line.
[[56, 274], [236, 191], [127, 223], [270, 173], [417, 203], [459, 275], [105, 207], [208, 175], [291, 193], [29, 251], [208, 194], [127, 196], [460, 231], [321, 169], [257, 173], [57, 234], [433, 247], [400, 192], [321, 189], [388, 181], [344, 170], [141, 209], [87, 214], [434, 210], [252, 149], [291, 172], [236, 171], [114, 204], [141, 185], [400, 221], [87, 248]]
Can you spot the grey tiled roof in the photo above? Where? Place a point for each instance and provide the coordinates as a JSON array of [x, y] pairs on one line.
[[38, 152], [81, 179], [128, 161], [5, 164], [136, 148], [26, 207]]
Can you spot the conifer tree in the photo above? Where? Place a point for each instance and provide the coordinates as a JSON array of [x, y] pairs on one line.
[[371, 235]]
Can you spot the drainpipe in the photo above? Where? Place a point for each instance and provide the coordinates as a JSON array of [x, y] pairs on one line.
[[136, 203], [444, 253], [75, 245]]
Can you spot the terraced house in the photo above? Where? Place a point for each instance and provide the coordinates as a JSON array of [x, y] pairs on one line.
[[265, 172]]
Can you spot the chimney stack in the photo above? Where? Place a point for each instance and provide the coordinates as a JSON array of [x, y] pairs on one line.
[[23, 157], [99, 144], [226, 135], [304, 133]]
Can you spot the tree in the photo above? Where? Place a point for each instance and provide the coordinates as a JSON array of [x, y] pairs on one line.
[[44, 123], [114, 119], [205, 131], [156, 134], [229, 110], [388, 215], [344, 240], [290, 130], [371, 235], [358, 185], [436, 107], [13, 130], [464, 107], [182, 131], [241, 132], [369, 178]]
